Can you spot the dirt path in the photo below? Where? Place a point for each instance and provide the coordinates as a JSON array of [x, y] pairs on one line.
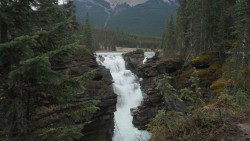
[[245, 128]]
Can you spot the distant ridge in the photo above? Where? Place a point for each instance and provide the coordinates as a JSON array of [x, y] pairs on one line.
[[143, 17]]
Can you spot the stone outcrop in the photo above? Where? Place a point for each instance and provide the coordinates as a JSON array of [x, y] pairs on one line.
[[100, 126], [150, 72], [208, 66], [133, 60]]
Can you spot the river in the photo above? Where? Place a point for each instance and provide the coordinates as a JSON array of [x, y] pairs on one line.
[[126, 86]]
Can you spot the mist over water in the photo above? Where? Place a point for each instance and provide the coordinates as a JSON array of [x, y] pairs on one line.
[[127, 88]]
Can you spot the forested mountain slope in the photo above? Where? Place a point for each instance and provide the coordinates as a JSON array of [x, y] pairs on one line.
[[146, 18]]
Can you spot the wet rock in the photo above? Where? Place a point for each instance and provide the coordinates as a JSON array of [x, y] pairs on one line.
[[133, 60]]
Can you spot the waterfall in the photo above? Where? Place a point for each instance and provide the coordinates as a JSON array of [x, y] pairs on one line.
[[127, 88]]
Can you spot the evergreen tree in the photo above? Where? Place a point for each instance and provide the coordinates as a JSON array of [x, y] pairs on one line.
[[36, 101], [203, 25], [168, 92], [182, 27], [239, 61], [242, 31], [169, 38], [88, 33]]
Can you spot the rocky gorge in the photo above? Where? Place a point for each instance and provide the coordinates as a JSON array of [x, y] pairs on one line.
[[100, 126]]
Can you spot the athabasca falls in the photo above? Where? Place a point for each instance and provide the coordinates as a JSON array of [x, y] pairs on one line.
[[126, 86]]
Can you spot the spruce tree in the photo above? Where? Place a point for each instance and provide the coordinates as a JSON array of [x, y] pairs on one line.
[[169, 38], [37, 101], [239, 61], [88, 33], [204, 25], [182, 28], [242, 31]]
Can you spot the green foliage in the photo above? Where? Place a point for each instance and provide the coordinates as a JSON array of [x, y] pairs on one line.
[[86, 110], [225, 98], [210, 118], [28, 72], [68, 134], [241, 28], [242, 98], [187, 94], [169, 37], [165, 122], [203, 25], [88, 41], [167, 90], [105, 39], [239, 60], [38, 102], [195, 81], [19, 47], [214, 26], [77, 83], [194, 93]]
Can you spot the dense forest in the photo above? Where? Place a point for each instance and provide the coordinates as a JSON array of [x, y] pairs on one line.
[[107, 39], [212, 36], [208, 26]]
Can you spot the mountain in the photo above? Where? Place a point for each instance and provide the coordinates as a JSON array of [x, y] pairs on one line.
[[143, 17], [114, 3]]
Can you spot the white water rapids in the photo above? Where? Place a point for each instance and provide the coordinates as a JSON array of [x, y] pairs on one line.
[[127, 88]]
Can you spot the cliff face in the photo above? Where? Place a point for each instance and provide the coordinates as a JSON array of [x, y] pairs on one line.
[[100, 126], [150, 72], [208, 66]]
